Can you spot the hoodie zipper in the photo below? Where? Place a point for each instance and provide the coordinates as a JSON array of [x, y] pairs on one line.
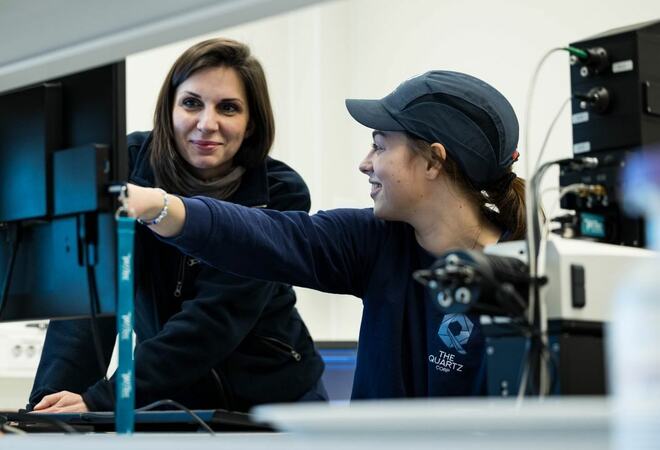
[[281, 347], [179, 280], [186, 261]]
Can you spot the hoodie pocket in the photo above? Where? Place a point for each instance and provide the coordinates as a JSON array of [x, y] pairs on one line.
[[281, 347]]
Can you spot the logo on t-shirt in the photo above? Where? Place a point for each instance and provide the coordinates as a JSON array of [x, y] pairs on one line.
[[455, 330]]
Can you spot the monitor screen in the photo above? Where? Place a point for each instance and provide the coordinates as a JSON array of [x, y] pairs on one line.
[[340, 358], [61, 143], [28, 134]]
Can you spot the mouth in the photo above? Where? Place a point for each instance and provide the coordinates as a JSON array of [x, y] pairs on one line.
[[375, 188], [205, 145]]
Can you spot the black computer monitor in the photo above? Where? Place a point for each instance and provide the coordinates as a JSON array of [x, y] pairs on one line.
[[61, 143]]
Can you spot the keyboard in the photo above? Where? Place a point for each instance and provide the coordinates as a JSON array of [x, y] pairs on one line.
[[160, 421]]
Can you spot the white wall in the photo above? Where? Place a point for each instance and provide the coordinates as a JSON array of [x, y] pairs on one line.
[[316, 57]]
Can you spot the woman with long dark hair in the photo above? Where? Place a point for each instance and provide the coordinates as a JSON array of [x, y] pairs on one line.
[[205, 338]]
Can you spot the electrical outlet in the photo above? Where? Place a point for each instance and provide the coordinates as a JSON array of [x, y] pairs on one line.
[[20, 348]]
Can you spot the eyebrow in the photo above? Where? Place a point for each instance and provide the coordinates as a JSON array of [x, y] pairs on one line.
[[378, 133], [193, 94]]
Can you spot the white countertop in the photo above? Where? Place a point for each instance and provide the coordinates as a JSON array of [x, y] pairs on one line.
[[565, 424]]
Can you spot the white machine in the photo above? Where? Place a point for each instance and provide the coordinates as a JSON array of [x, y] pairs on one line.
[[583, 276]]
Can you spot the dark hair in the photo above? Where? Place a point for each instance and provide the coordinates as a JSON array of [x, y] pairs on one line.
[[508, 196], [165, 159]]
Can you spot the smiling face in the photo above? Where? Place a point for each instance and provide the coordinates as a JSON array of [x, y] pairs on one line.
[[210, 117], [397, 177]]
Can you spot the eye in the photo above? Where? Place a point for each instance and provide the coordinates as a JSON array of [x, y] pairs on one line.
[[229, 108], [191, 102], [376, 148]]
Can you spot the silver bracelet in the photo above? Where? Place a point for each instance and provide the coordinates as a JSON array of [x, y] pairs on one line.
[[161, 215]]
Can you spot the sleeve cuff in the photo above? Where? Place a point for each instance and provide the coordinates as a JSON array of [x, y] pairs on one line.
[[196, 227], [100, 396]]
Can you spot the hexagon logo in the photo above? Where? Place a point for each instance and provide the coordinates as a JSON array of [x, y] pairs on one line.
[[458, 335]]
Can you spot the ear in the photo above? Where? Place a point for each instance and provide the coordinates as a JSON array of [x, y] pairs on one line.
[[433, 167]]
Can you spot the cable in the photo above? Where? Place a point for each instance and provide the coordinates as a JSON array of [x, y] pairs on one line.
[[578, 52], [11, 430], [534, 244], [530, 95], [37, 418], [554, 364], [549, 132], [93, 302], [581, 54], [522, 385], [178, 405], [531, 209], [156, 404], [533, 233], [525, 381], [547, 358]]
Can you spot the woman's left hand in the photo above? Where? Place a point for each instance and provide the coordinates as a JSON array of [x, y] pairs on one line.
[[61, 402]]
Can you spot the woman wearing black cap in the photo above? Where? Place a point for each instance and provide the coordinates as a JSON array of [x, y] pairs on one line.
[[440, 174]]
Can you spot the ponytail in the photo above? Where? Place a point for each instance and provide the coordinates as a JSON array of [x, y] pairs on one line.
[[510, 203]]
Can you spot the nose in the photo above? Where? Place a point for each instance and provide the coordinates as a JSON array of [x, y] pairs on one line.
[[366, 166], [208, 121]]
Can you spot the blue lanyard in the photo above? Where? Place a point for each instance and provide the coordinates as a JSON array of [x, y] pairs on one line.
[[125, 375]]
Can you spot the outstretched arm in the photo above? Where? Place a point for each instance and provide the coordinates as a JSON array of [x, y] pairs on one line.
[[331, 251]]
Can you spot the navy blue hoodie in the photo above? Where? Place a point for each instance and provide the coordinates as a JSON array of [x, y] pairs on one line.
[[407, 348], [205, 338]]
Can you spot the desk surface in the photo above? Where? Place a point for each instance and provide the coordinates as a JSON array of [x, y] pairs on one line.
[[433, 424]]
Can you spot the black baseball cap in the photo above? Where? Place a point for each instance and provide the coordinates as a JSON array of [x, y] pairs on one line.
[[472, 119]]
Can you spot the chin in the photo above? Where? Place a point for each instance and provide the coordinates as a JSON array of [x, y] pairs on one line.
[[382, 213], [207, 163], [201, 166]]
